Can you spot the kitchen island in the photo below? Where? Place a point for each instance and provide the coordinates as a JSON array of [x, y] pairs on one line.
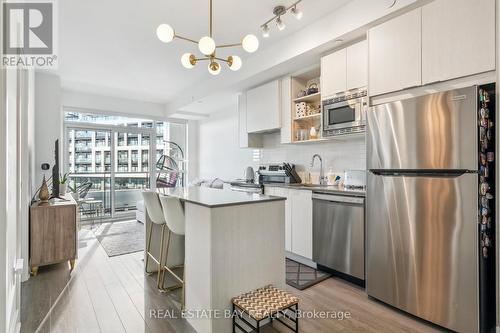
[[234, 243]]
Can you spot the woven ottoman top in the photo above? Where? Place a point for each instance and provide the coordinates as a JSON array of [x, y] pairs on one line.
[[263, 302]]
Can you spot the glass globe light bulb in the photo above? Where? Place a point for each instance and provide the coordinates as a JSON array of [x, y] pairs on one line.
[[214, 68], [165, 33], [206, 45], [250, 43], [234, 62], [188, 60]]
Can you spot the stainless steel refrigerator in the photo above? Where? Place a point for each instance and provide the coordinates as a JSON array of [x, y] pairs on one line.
[[422, 207]]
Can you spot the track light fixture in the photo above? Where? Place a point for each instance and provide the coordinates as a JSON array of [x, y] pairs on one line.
[[279, 23], [278, 12], [265, 31], [297, 12], [208, 47]]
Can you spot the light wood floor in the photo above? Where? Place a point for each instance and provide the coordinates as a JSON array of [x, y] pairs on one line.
[[114, 295]]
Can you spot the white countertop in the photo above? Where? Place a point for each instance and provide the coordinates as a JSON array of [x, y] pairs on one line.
[[214, 198], [333, 189]]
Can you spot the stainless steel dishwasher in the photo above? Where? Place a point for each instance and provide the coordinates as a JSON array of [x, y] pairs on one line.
[[339, 233]]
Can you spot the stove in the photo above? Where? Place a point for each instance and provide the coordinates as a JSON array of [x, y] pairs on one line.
[[242, 186]]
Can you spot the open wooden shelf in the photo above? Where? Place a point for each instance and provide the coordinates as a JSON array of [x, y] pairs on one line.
[[309, 117], [311, 140], [300, 82], [309, 98]]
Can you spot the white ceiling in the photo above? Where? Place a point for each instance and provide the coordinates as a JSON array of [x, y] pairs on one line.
[[110, 47]]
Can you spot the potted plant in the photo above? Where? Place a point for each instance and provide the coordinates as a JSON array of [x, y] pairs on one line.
[[74, 190], [63, 179]]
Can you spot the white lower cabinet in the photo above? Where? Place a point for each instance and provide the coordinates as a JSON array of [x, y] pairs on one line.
[[298, 219], [283, 192], [301, 213]]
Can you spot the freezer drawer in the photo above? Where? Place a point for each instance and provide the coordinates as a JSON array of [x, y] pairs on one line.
[[422, 246], [436, 131], [338, 233]]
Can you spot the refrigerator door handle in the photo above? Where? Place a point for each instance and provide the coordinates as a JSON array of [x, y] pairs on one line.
[[422, 173]]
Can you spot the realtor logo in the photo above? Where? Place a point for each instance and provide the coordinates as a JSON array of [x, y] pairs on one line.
[[29, 34]]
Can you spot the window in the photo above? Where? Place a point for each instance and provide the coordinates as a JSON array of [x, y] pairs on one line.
[[89, 157], [122, 157]]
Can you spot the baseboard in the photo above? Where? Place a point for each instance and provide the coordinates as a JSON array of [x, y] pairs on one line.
[[301, 259]]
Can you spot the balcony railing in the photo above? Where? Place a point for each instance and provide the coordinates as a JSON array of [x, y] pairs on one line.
[[83, 161], [86, 135], [83, 147]]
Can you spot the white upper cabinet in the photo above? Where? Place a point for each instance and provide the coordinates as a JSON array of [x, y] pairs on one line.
[[246, 140], [357, 65], [264, 107], [394, 54], [458, 39], [344, 70], [333, 73], [286, 110]]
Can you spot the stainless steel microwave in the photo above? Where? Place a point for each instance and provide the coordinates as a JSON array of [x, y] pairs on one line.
[[345, 114]]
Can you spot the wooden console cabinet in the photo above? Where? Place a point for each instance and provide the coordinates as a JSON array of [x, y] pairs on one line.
[[53, 233]]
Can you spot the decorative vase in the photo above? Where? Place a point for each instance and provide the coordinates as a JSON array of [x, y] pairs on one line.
[[44, 191], [313, 134], [62, 189], [75, 195]]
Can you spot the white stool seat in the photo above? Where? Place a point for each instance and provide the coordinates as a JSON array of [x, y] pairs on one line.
[[154, 212], [173, 213]]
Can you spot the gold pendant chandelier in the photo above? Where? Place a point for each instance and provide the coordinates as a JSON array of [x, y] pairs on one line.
[[208, 47]]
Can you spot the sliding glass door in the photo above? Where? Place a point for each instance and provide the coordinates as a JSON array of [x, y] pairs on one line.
[[111, 159], [132, 169], [89, 170], [109, 166]]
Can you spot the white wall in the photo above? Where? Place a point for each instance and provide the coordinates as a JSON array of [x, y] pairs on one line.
[[192, 150], [112, 105], [15, 189], [48, 120], [3, 216], [220, 156]]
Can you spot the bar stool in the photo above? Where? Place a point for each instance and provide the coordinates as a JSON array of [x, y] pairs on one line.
[[174, 217], [155, 214]]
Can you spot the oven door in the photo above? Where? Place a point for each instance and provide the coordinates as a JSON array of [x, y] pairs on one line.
[[342, 115]]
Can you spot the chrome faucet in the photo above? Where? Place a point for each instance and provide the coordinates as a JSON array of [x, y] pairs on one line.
[[322, 179]]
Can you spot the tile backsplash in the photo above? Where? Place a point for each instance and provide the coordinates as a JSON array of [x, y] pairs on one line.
[[219, 155], [345, 154]]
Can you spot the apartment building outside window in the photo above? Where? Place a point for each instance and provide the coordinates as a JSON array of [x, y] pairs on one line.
[[101, 148]]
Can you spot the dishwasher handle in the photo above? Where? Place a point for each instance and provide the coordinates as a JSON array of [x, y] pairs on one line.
[[338, 198]]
